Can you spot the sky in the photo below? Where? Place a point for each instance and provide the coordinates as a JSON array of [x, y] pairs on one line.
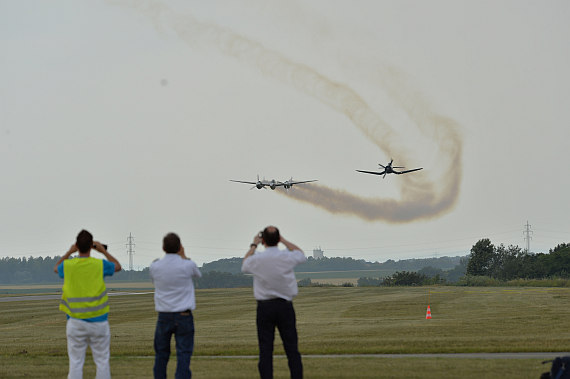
[[131, 117]]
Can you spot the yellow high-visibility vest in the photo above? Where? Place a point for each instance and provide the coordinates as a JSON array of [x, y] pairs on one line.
[[84, 294]]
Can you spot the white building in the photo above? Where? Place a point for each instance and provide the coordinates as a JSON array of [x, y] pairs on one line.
[[318, 253]]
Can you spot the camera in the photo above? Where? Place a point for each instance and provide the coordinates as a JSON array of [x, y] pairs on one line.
[[105, 246]]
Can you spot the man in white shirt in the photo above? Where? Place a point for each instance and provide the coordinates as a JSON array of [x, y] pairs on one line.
[[274, 287], [174, 301]]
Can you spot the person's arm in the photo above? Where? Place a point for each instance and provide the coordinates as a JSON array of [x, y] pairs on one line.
[[71, 250], [290, 246], [253, 246], [100, 248], [182, 253], [196, 271]]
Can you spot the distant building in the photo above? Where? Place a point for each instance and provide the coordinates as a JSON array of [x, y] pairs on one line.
[[318, 253]]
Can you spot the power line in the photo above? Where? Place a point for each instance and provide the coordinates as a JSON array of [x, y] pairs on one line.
[[527, 232], [130, 250]]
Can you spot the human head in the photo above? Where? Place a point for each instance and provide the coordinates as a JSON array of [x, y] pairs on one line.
[[270, 236], [171, 243], [84, 241]]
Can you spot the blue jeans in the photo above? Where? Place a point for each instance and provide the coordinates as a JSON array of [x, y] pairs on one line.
[[181, 324]]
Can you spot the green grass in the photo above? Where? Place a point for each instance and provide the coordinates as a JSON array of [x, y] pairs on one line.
[[331, 320], [246, 368]]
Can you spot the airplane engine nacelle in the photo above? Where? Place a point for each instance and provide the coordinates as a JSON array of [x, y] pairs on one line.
[[259, 185]]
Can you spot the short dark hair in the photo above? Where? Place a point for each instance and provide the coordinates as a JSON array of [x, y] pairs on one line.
[[171, 243], [84, 241], [271, 236]]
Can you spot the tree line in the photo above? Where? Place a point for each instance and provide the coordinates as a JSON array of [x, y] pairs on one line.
[[233, 265], [484, 261], [512, 262], [223, 273], [39, 270], [424, 277]]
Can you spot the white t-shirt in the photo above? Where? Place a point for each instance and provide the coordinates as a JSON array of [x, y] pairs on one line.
[[173, 286], [273, 275]]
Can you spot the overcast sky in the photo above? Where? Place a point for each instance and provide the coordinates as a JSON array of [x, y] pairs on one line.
[[132, 116]]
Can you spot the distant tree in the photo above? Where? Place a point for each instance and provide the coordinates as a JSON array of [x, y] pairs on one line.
[[557, 263], [369, 282], [443, 263], [216, 279], [405, 278], [24, 277], [28, 270], [231, 265], [130, 276], [430, 272], [335, 264], [507, 263], [306, 282], [480, 258], [458, 271], [438, 279], [560, 247], [532, 266]]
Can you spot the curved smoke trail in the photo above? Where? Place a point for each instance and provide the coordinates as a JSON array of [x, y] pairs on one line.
[[421, 198]]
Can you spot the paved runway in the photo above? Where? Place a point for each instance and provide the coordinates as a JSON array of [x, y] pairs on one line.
[[8, 299]]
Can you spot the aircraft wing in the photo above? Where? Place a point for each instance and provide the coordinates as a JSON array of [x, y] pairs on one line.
[[373, 172], [239, 181], [305, 181], [415, 169]]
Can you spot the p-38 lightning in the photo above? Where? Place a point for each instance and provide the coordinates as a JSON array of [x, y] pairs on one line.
[[272, 183], [389, 169]]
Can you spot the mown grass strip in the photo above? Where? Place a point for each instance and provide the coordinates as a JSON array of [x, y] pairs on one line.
[[330, 320]]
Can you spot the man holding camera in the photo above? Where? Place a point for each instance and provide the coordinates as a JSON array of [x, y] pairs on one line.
[[274, 286], [84, 300], [174, 300]]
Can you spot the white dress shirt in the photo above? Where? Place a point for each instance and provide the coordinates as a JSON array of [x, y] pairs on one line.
[[173, 287], [273, 275]]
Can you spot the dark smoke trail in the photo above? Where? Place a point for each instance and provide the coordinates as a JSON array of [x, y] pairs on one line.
[[421, 197]]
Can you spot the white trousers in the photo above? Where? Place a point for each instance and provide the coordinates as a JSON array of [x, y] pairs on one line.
[[81, 334]]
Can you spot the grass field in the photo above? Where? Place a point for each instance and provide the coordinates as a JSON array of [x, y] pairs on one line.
[[331, 320]]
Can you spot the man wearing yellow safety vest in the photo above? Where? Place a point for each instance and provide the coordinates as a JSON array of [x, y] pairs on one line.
[[84, 300]]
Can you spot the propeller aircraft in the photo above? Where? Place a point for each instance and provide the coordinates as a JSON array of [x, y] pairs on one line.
[[389, 169], [272, 183]]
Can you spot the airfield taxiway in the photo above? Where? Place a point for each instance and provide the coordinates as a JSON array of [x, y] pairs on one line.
[[8, 299]]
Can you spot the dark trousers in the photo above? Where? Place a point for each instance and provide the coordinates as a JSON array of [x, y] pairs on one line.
[[277, 313], [181, 324]]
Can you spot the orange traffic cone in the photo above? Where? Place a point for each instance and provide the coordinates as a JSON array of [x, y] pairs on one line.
[[428, 313]]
